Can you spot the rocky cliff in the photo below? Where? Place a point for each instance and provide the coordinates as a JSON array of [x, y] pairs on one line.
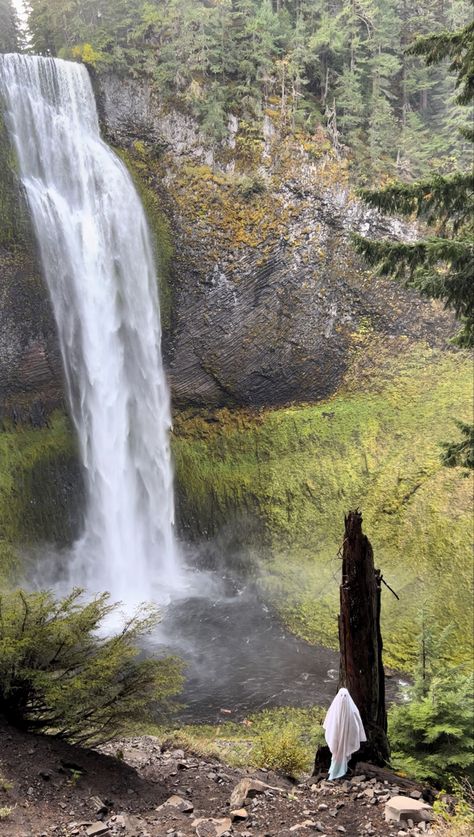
[[268, 292], [262, 293], [30, 364]]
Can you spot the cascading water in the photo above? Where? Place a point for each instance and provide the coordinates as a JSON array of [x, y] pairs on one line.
[[99, 267]]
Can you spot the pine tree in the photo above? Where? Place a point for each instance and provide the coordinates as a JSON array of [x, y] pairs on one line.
[[8, 27], [60, 673], [342, 61], [441, 264], [431, 735]]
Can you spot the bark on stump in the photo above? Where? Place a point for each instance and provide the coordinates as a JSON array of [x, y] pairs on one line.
[[360, 642]]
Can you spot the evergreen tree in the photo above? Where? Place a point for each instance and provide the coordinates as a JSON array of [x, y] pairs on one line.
[[431, 736], [342, 61], [441, 264], [8, 27], [59, 674]]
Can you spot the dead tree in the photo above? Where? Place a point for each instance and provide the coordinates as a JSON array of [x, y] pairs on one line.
[[360, 642]]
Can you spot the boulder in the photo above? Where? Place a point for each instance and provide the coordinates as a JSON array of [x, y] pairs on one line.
[[239, 814], [246, 789], [178, 803], [403, 808], [212, 827], [96, 829]]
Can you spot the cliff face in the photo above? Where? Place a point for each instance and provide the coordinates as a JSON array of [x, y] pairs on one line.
[[268, 293], [40, 481], [270, 307], [263, 303], [30, 364], [262, 291]]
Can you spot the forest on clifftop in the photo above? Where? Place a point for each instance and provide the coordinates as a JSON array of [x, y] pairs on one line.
[[334, 65]]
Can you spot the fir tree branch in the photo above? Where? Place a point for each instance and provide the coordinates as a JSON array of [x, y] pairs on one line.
[[449, 198]]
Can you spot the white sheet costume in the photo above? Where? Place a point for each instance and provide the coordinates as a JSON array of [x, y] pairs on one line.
[[344, 732]]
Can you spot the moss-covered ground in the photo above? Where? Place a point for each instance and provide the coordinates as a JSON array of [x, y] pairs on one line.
[[263, 737], [375, 445], [38, 477]]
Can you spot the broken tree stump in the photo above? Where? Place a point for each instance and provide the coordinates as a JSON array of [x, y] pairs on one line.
[[360, 642], [360, 639]]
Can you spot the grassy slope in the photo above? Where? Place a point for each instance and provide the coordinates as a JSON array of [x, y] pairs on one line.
[[300, 469]]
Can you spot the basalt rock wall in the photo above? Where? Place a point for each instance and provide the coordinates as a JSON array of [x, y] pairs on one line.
[[267, 290], [31, 384]]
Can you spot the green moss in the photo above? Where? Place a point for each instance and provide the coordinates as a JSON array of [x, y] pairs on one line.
[[14, 222], [38, 478], [141, 169], [298, 470]]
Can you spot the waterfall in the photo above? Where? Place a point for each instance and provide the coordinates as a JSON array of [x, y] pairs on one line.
[[98, 264]]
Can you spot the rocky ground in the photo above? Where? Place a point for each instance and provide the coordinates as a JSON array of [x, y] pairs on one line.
[[140, 787]]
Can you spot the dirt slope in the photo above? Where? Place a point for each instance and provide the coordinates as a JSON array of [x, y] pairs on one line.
[[55, 789]]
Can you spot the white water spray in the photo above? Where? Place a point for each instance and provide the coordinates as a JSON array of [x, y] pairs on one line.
[[99, 267]]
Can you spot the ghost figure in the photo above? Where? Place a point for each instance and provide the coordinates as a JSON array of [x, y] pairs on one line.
[[344, 732]]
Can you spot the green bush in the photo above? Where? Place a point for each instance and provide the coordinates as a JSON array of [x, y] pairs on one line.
[[250, 185], [60, 675], [281, 749], [455, 815], [432, 735]]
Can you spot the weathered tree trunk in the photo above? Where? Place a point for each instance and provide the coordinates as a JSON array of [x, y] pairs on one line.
[[360, 642]]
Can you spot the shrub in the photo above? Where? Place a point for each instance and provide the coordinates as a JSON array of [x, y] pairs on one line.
[[59, 675], [455, 815], [432, 736], [281, 749], [250, 185]]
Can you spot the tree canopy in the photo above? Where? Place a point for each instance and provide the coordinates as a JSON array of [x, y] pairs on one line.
[[304, 61], [441, 264], [8, 27]]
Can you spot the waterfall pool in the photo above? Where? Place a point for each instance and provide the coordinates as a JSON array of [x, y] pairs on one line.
[[240, 659]]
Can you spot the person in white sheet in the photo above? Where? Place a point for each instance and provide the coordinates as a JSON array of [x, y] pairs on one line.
[[344, 732]]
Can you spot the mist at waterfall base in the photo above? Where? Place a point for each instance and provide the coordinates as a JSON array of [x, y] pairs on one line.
[[98, 265]]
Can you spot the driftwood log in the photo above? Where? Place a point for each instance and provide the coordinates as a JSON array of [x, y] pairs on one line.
[[360, 642]]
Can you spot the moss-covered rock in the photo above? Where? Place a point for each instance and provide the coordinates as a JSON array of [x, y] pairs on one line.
[[40, 489], [374, 445], [30, 366]]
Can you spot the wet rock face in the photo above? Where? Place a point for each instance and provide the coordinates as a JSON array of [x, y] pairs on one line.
[[30, 362], [130, 110], [265, 339], [268, 293]]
